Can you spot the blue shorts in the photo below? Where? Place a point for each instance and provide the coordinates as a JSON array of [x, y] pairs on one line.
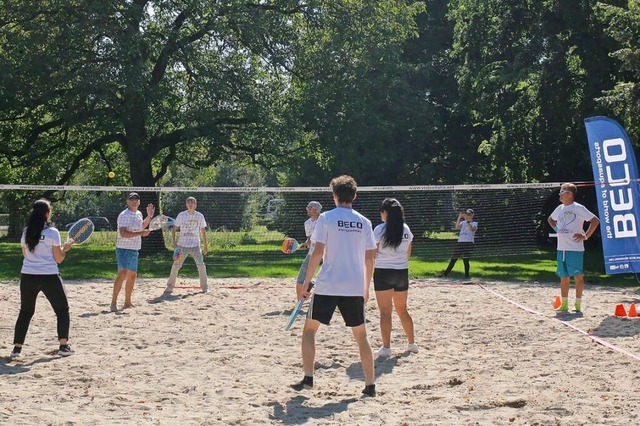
[[570, 263], [127, 259]]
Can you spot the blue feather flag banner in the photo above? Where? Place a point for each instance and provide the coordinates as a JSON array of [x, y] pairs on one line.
[[615, 175]]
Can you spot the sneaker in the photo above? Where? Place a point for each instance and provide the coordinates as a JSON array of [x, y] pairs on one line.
[[369, 390], [305, 384], [577, 306], [204, 289], [413, 348], [16, 352], [65, 350], [563, 308], [384, 352]]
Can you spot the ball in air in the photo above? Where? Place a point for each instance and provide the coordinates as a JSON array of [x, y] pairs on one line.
[[111, 175]]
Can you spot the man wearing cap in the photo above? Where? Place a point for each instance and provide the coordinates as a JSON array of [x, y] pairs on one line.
[[568, 220], [466, 241], [131, 229], [313, 210]]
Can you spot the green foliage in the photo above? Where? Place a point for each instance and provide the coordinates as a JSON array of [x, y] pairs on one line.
[[353, 93], [393, 92], [529, 73], [623, 24]]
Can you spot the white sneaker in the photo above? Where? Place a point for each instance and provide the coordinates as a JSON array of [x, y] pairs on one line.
[[384, 352], [413, 348]]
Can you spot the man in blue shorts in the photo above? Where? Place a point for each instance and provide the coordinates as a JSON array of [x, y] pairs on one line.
[[345, 243], [567, 220], [131, 229]]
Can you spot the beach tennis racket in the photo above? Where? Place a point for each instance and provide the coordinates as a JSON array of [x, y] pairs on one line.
[[161, 222], [294, 314], [297, 309], [290, 245], [80, 231]]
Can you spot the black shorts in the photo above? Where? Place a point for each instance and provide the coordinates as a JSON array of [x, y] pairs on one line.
[[463, 251], [390, 279], [351, 308]]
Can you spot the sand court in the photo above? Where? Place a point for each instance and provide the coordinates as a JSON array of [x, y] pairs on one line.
[[490, 353]]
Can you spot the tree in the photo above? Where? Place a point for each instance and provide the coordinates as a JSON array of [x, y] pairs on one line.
[[141, 85], [529, 73], [623, 24], [353, 91]]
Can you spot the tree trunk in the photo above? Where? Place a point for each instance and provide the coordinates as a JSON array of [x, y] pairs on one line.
[[142, 175]]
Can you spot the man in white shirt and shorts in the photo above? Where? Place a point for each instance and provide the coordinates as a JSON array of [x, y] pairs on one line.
[[193, 231], [567, 220], [345, 243], [313, 210], [131, 229]]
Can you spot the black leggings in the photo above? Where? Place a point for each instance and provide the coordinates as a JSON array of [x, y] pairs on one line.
[[462, 250], [30, 287]]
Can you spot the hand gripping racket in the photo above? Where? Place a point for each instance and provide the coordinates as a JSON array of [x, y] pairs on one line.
[[80, 231], [290, 245], [161, 222]]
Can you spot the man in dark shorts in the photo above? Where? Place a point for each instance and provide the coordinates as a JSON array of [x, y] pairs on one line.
[[345, 243]]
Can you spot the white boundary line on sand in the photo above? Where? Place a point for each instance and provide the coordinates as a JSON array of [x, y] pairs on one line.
[[573, 327]]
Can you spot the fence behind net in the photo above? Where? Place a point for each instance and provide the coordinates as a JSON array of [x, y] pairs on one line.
[[247, 225]]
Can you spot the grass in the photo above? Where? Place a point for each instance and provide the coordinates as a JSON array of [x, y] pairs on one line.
[[257, 254]]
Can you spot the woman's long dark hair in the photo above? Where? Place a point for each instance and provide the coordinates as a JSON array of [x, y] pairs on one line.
[[37, 222], [394, 229]]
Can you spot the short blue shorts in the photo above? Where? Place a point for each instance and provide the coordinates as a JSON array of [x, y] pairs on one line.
[[127, 259], [570, 263]]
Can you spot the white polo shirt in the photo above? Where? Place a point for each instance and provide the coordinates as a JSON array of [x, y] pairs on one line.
[[190, 226], [133, 222], [392, 257], [41, 261], [347, 235]]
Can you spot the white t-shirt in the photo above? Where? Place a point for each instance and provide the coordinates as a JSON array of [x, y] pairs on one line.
[[41, 261], [347, 235], [467, 235], [392, 257], [133, 222], [309, 226], [190, 226], [570, 220]]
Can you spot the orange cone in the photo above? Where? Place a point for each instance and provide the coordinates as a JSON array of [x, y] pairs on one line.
[[557, 303], [632, 310], [620, 312]]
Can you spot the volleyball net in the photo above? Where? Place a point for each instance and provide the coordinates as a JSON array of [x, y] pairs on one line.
[[248, 224]]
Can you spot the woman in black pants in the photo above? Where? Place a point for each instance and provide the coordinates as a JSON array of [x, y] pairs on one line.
[[42, 251]]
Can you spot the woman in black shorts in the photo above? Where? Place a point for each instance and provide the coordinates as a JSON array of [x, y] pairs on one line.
[[391, 273]]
